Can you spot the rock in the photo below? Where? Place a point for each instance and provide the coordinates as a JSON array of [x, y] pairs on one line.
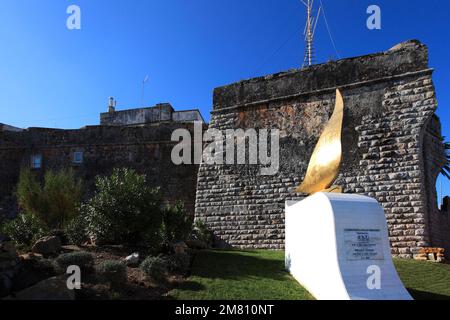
[[33, 271], [8, 256], [71, 248], [60, 234], [196, 244], [440, 259], [180, 248], [51, 289], [7, 247], [47, 245], [5, 285], [132, 260], [30, 256]]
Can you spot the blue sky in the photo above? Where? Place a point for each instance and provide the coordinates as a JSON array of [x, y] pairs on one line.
[[54, 77]]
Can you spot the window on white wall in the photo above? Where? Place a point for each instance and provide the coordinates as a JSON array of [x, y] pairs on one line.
[[78, 157], [36, 161]]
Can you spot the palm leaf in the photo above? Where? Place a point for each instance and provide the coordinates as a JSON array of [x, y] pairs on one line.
[[446, 169]]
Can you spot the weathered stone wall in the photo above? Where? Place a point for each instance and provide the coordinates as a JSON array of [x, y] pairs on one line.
[[146, 149], [162, 112], [433, 149], [389, 100]]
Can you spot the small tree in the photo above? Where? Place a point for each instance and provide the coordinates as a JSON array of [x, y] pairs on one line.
[[124, 210], [29, 194], [56, 202], [62, 194]]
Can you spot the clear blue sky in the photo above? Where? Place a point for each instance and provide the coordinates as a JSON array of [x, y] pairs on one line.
[[53, 77]]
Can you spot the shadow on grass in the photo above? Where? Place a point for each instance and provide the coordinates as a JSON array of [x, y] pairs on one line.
[[236, 275], [235, 265], [422, 295], [192, 286]]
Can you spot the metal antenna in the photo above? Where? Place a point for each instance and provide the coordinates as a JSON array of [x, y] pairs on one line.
[[143, 89], [310, 29]]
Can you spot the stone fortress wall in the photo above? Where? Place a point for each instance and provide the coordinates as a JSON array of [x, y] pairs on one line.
[[392, 148], [145, 147]]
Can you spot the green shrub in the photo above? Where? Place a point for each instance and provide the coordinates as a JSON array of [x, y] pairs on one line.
[[76, 230], [179, 263], [56, 202], [177, 223], [155, 267], [24, 230], [29, 193], [201, 232], [112, 272], [84, 260], [124, 210]]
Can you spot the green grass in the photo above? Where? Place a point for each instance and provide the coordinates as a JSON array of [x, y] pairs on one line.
[[425, 280], [240, 275], [260, 275]]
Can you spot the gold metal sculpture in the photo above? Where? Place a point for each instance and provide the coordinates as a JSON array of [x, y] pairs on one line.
[[326, 160]]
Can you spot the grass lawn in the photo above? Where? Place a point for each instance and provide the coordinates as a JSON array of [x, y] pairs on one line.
[[240, 275], [425, 280], [260, 275]]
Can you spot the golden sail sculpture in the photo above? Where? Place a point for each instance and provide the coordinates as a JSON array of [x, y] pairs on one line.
[[326, 160]]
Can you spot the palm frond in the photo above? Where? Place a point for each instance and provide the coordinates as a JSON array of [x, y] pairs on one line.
[[446, 169]]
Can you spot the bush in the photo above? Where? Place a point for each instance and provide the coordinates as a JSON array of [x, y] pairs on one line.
[[179, 263], [56, 202], [202, 233], [24, 230], [112, 272], [76, 230], [84, 260], [155, 267], [124, 210], [177, 223]]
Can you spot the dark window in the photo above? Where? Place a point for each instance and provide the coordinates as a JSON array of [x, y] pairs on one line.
[[78, 157], [36, 161]]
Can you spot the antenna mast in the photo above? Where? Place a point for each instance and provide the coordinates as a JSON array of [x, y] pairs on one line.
[[143, 89], [310, 30]]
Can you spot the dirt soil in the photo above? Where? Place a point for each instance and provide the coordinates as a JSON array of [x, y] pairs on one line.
[[138, 286]]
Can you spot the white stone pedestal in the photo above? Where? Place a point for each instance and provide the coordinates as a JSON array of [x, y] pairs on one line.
[[337, 247]]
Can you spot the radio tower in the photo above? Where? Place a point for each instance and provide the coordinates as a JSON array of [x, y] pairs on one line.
[[310, 30]]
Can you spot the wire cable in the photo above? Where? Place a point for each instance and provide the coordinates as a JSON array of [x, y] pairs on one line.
[[329, 31]]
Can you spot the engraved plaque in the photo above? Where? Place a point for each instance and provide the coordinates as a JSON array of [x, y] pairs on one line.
[[363, 244]]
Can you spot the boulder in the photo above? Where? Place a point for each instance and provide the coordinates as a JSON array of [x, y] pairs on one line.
[[47, 245], [132, 260], [32, 271], [5, 285], [8, 256], [51, 289], [60, 234], [196, 244], [30, 256], [180, 248], [9, 264]]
